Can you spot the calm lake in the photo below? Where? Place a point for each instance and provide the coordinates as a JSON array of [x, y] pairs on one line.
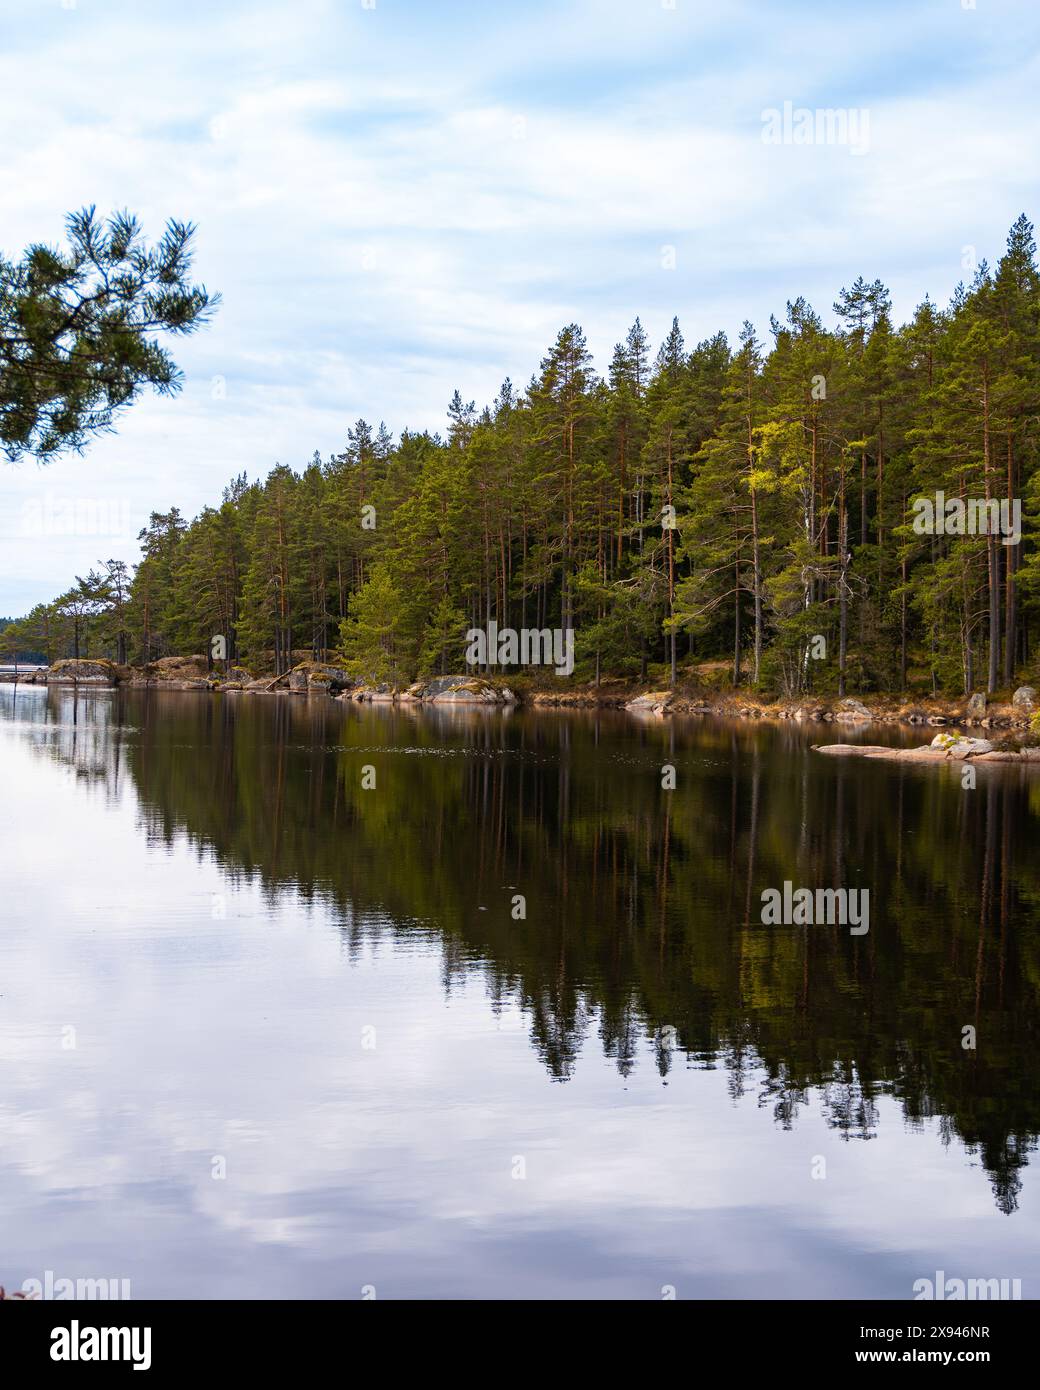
[[266, 1031]]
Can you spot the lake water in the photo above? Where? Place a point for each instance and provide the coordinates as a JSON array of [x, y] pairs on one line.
[[268, 1031]]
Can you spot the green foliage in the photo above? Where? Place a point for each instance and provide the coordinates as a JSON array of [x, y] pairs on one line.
[[78, 329], [442, 646], [371, 634]]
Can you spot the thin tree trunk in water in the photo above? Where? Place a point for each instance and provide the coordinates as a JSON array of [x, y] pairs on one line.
[[752, 835], [986, 891]]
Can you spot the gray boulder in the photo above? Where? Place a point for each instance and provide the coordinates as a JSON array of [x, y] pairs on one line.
[[958, 747], [653, 702], [178, 668], [976, 706], [853, 711], [319, 675], [461, 690], [379, 694], [472, 692], [437, 685], [1024, 698]]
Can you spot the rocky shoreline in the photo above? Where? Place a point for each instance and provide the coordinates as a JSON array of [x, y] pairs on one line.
[[305, 678], [977, 711], [331, 680]]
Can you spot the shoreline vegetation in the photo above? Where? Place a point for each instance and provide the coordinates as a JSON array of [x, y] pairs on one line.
[[852, 506], [1018, 717]]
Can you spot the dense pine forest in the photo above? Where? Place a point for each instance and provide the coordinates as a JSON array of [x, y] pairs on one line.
[[749, 504]]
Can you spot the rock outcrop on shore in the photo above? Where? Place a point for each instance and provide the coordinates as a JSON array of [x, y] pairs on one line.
[[73, 672], [654, 702], [462, 690], [185, 673], [319, 676], [943, 748], [437, 690], [881, 710], [853, 712]]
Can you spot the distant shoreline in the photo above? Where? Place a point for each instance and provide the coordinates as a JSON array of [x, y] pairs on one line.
[[468, 692]]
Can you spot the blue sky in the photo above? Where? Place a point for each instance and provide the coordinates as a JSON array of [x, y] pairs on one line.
[[400, 198]]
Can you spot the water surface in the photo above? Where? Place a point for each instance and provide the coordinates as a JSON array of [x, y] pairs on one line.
[[268, 1032]]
